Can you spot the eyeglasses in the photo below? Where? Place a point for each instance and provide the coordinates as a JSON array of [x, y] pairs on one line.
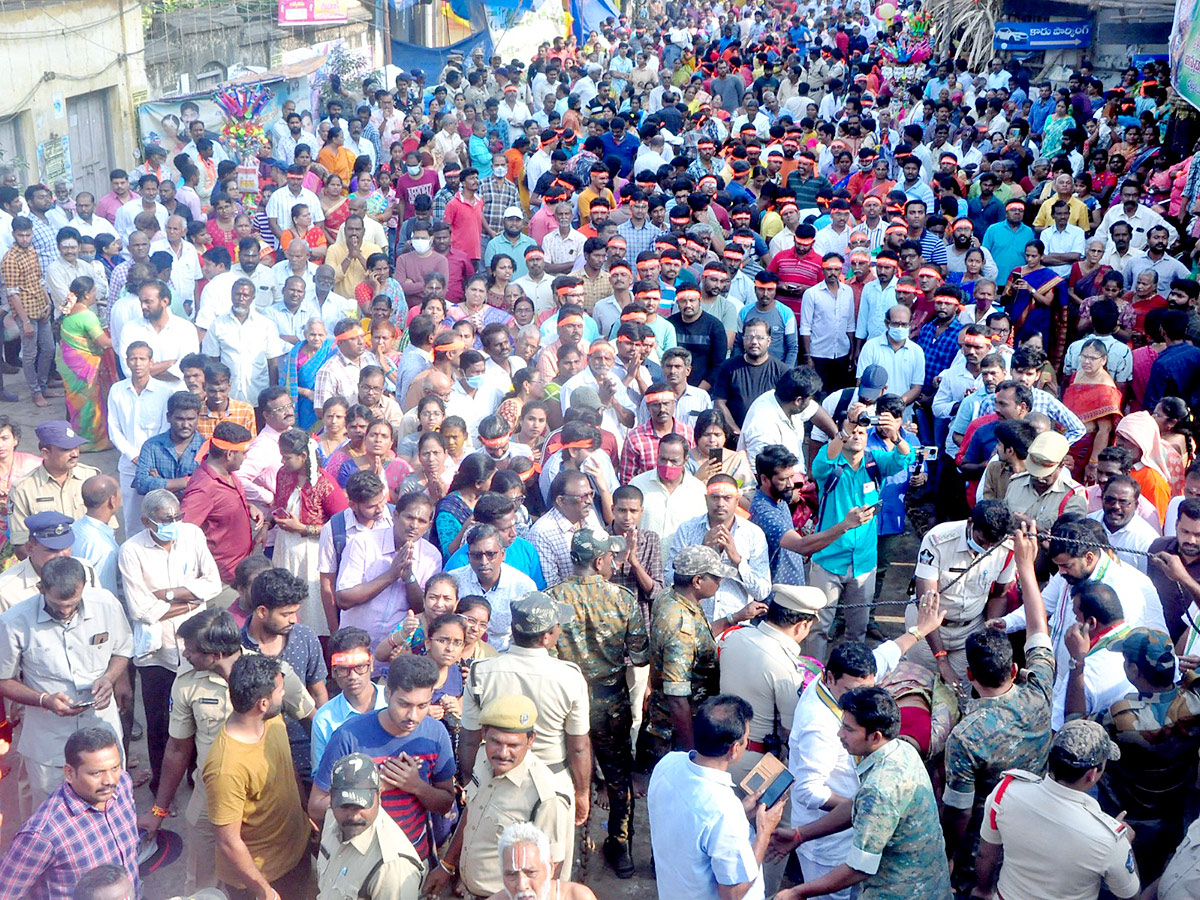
[[583, 498], [483, 554], [281, 410], [361, 669], [476, 623], [447, 642]]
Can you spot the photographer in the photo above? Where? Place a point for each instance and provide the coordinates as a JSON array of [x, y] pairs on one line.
[[848, 475]]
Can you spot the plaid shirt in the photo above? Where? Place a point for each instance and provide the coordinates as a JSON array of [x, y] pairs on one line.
[[45, 241], [939, 351], [157, 463], [640, 453], [649, 554], [551, 536], [66, 837], [440, 200], [497, 195], [638, 240], [237, 412], [22, 269]]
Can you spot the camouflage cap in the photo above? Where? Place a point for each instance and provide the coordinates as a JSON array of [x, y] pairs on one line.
[[1150, 651], [701, 560], [536, 613], [587, 545], [1082, 742]]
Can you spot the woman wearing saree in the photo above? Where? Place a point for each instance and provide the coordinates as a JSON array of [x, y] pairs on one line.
[[1087, 274], [305, 499], [528, 384], [304, 362], [1056, 125], [1138, 433], [14, 465], [474, 477], [358, 417], [1094, 397], [1037, 294], [335, 205], [333, 434], [336, 157], [379, 458], [379, 282], [378, 206], [86, 373]]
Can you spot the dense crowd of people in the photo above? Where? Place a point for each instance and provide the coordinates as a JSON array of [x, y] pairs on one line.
[[535, 443]]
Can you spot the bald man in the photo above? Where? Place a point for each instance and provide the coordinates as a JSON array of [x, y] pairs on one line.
[[95, 533]]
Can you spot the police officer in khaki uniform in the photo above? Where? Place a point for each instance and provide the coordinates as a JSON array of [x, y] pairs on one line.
[[508, 784], [364, 855], [556, 687], [1045, 490], [762, 664], [57, 484], [200, 704], [1057, 843], [979, 546], [50, 536]]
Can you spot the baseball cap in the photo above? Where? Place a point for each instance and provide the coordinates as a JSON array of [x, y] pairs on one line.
[[536, 613], [51, 529], [60, 434], [587, 545], [513, 212], [799, 598], [701, 560], [354, 781], [586, 397], [1046, 453], [872, 383], [1082, 742], [514, 713], [1150, 651]]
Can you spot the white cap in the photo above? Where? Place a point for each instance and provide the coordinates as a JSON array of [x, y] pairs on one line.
[[514, 212]]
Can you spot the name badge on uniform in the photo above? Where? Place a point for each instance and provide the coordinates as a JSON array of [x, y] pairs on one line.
[[869, 487], [97, 639], [210, 701]]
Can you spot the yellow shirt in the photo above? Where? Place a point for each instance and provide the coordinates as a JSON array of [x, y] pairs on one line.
[[1079, 214], [353, 275]]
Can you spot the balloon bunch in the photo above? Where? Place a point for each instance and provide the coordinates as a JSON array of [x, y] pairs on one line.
[[242, 101]]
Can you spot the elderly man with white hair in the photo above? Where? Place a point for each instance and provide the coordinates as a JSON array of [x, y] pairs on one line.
[[526, 867]]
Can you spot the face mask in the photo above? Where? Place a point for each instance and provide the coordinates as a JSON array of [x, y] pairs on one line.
[[421, 245], [975, 546], [414, 171], [475, 382], [898, 332], [167, 531], [669, 473], [500, 171]]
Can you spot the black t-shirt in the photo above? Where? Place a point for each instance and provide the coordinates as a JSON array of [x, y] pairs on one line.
[[739, 384], [705, 340]]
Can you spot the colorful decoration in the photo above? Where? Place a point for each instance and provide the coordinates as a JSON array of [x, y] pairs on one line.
[[912, 46], [886, 11], [242, 105]]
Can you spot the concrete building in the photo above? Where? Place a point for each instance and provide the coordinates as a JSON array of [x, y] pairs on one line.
[[74, 75]]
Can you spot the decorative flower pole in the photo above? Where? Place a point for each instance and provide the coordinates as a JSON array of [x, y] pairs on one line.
[[243, 132]]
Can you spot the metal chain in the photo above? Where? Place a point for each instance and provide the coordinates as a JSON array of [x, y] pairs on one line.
[[1075, 542]]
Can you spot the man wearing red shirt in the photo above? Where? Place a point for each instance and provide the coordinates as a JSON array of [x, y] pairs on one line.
[[414, 181], [464, 215], [215, 500], [459, 266], [798, 268]]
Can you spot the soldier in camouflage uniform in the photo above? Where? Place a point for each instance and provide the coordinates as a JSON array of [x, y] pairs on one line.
[[896, 850], [1008, 727], [683, 653], [1157, 729], [607, 634]]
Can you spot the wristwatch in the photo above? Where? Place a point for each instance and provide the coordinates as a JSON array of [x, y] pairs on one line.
[[915, 632], [169, 596]]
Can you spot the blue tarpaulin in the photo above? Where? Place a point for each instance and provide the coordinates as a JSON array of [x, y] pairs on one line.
[[586, 16], [432, 59]]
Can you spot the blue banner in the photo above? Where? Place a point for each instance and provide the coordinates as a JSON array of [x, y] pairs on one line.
[[586, 16], [1042, 35], [433, 59]]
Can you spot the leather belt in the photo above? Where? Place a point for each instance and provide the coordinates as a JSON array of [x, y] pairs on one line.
[[756, 746]]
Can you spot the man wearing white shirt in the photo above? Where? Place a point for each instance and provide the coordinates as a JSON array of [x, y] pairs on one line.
[[279, 207], [293, 312], [339, 376], [217, 296], [901, 359], [563, 246], [1077, 564], [292, 136], [137, 411], [147, 201], [359, 145], [85, 221], [473, 395], [1126, 530], [263, 278], [247, 342], [778, 416], [169, 337], [825, 772], [835, 237], [185, 268], [1140, 218], [536, 283], [296, 262], [64, 270], [1065, 243], [827, 325]]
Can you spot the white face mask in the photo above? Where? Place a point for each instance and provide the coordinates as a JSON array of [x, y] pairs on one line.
[[500, 171], [414, 171], [421, 245]]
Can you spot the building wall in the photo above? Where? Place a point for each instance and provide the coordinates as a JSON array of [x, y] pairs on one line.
[[74, 69]]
